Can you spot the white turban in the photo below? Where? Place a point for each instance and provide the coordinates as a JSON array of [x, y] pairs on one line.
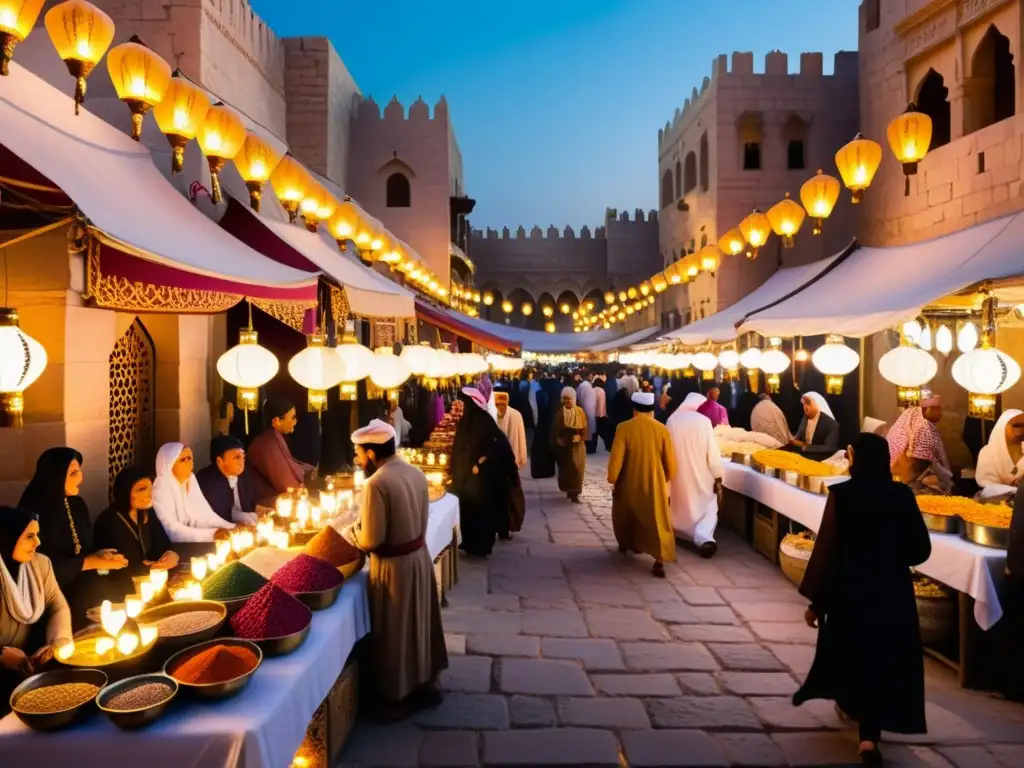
[[377, 432], [693, 401], [644, 398]]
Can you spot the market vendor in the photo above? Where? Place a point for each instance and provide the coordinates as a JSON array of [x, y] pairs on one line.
[[917, 455], [275, 470], [178, 501], [714, 410], [225, 484], [408, 649], [768, 419], [28, 589], [1001, 461], [818, 433]]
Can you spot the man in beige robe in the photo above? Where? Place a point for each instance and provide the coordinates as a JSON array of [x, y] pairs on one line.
[[639, 468], [408, 647], [569, 434]]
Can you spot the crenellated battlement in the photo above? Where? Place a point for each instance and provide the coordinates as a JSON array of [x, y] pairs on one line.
[[369, 110], [639, 217], [536, 233], [250, 34], [776, 64]]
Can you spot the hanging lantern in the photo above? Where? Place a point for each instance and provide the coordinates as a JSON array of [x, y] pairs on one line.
[[22, 361], [858, 162], [729, 359], [317, 368], [756, 228], [967, 337], [140, 77], [527, 309], [912, 331], [835, 359], [692, 267], [660, 282], [943, 340], [819, 195], [645, 288], [247, 366], [672, 274], [609, 298], [290, 182], [220, 137], [357, 360], [985, 372], [709, 258], [506, 307], [549, 327], [318, 205], [786, 218], [180, 115], [488, 299], [565, 308], [388, 372], [910, 136], [774, 362], [343, 224], [81, 33], [733, 242], [547, 310], [623, 297], [418, 358], [17, 19], [751, 358], [706, 363], [255, 161], [909, 368]]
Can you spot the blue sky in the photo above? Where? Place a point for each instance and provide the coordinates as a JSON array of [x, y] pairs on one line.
[[557, 104]]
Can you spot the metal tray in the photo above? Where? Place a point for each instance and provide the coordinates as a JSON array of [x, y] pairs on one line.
[[941, 523], [741, 458], [986, 535]]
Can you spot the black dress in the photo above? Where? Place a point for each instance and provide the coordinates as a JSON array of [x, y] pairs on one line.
[[869, 658], [542, 458], [138, 541]]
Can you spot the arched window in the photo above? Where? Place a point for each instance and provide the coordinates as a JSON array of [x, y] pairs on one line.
[[796, 143], [750, 140], [690, 174], [990, 88], [933, 100], [679, 180], [398, 192], [705, 160], [666, 189]]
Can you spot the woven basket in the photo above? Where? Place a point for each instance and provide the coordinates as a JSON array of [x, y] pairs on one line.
[[792, 558], [936, 615]]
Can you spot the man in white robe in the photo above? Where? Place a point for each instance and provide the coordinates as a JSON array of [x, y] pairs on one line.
[[586, 396], [694, 486], [511, 423]]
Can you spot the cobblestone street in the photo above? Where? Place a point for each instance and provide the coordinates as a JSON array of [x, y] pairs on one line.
[[565, 652]]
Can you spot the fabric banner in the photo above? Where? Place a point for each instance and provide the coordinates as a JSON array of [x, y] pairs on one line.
[[446, 321]]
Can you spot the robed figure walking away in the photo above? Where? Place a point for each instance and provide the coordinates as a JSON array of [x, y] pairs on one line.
[[869, 659], [568, 437], [696, 481]]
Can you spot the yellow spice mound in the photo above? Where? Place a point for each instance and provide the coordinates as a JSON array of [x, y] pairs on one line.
[[794, 462], [994, 515]]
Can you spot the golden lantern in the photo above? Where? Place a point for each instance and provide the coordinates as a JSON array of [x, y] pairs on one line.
[[17, 19], [786, 218], [609, 297], [344, 223], [819, 195], [708, 256], [756, 229], [140, 77], [589, 304], [630, 310], [255, 161], [910, 136], [692, 268], [179, 116], [488, 299], [565, 309], [733, 242], [622, 314], [645, 288], [319, 205], [858, 162], [81, 33], [527, 309], [631, 292], [506, 307], [547, 310], [623, 295], [660, 282], [220, 137], [672, 275], [290, 182], [549, 327]]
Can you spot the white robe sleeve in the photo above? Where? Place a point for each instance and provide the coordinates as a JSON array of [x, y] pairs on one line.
[[199, 511], [714, 454], [166, 513]]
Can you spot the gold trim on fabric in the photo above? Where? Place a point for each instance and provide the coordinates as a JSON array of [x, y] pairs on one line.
[[340, 309], [291, 313]]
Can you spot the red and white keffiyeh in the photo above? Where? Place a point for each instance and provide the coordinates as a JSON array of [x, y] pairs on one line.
[[914, 435]]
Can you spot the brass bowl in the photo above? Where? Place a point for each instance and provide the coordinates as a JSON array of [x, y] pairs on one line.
[[235, 604], [129, 719], [281, 646], [113, 663], [220, 690], [941, 523], [318, 601], [741, 458], [53, 721], [175, 643], [986, 535]]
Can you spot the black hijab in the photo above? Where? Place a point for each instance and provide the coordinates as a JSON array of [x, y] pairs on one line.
[[44, 493], [870, 466], [123, 484], [13, 522]]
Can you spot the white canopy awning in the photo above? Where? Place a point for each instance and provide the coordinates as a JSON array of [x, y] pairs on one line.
[[540, 342], [877, 288], [720, 327]]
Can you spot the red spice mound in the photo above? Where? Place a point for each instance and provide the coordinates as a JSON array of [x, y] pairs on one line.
[[331, 546], [271, 612], [216, 664], [307, 574]]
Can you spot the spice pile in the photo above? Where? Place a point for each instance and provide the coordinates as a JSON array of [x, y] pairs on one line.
[[266, 560], [331, 546], [307, 574], [233, 580], [55, 698], [271, 613], [791, 462], [140, 696], [993, 515], [188, 623], [215, 664]]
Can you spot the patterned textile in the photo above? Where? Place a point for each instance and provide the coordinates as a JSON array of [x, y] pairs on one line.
[[913, 434]]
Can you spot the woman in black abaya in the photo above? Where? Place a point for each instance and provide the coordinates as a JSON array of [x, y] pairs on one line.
[[868, 658], [542, 458]]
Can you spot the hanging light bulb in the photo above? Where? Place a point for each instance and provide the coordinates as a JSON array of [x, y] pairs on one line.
[[247, 366], [255, 161], [357, 360], [733, 242], [910, 136], [220, 137], [343, 224], [835, 359], [180, 115], [967, 337], [22, 361], [774, 362], [388, 371], [549, 327], [547, 310], [317, 368], [751, 358], [290, 182], [924, 341], [909, 368], [756, 228], [527, 309], [17, 19], [709, 258], [319, 205], [819, 195], [506, 307], [858, 162], [786, 218], [140, 77], [729, 359], [488, 299], [81, 33], [944, 340]]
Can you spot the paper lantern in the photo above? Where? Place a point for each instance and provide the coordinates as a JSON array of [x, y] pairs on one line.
[[140, 77], [751, 358], [81, 33], [418, 357], [660, 282], [17, 19], [858, 162], [527, 309], [986, 371], [967, 337], [909, 368], [819, 195], [672, 274], [912, 331], [220, 137], [255, 161], [943, 340], [247, 366], [317, 368], [471, 364], [705, 361], [318, 204], [290, 182], [388, 370], [733, 242], [756, 228], [357, 360], [910, 136], [835, 359], [22, 361], [344, 223], [729, 359], [786, 218], [180, 115], [774, 361], [443, 366], [709, 258]]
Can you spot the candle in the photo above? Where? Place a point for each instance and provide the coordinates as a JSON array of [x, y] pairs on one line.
[[359, 478], [147, 591], [212, 563], [316, 517], [66, 651], [112, 620], [132, 605], [328, 502], [199, 568], [223, 550], [284, 505], [147, 634], [302, 514], [247, 540], [104, 645], [443, 459], [127, 642], [158, 578]]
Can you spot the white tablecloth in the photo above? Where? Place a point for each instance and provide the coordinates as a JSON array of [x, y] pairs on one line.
[[444, 519], [262, 727], [963, 565]]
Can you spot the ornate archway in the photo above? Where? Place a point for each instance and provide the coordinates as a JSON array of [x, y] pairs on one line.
[[132, 432]]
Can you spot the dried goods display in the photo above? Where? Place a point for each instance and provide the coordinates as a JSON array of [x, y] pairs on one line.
[[215, 664], [188, 623], [139, 697], [270, 613], [307, 574], [55, 698], [792, 462], [232, 581]]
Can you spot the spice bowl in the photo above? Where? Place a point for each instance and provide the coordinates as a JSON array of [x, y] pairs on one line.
[[235, 604], [219, 690], [143, 715], [318, 601], [169, 610], [52, 721], [281, 646]]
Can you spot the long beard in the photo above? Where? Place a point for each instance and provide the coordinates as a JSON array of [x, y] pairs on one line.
[[369, 468]]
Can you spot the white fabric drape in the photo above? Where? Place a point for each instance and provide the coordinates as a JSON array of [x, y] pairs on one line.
[[587, 397], [996, 469], [512, 425], [698, 465], [23, 598], [181, 508]]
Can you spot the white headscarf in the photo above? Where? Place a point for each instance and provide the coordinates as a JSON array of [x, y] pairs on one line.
[[181, 508], [570, 393], [996, 470], [23, 599], [693, 401], [820, 402]]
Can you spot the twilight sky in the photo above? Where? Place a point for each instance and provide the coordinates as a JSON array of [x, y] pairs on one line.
[[557, 103]]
